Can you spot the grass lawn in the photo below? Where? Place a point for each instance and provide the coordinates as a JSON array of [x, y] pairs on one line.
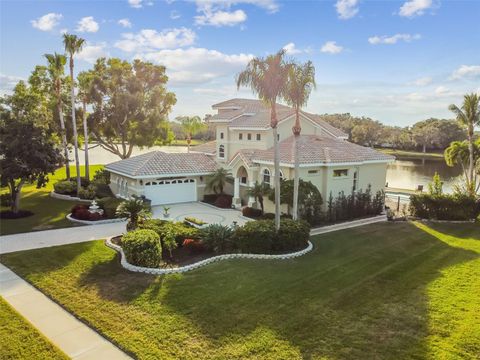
[[49, 213], [414, 154], [20, 340], [382, 291]]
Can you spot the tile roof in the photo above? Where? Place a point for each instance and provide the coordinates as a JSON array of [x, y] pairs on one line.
[[321, 149], [209, 148], [161, 163]]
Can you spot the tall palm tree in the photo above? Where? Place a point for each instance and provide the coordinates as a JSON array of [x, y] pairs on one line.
[[56, 68], [459, 153], [267, 78], [85, 79], [258, 192], [301, 81], [469, 116], [218, 180], [191, 126], [73, 44]]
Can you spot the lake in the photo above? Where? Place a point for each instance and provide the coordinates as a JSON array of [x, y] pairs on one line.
[[408, 173]]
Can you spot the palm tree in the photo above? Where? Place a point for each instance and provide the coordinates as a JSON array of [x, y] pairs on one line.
[[84, 92], [301, 81], [267, 78], [56, 67], [73, 44], [469, 116], [191, 126], [133, 209], [459, 153], [218, 180], [258, 191]]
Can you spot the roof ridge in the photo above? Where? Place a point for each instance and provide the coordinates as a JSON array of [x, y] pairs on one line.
[[147, 159]]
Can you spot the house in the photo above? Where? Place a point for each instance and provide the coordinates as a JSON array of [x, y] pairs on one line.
[[244, 146]]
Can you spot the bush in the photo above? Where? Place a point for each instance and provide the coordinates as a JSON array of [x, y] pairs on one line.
[[193, 246], [142, 248], [101, 177], [179, 230], [65, 187], [255, 237], [268, 216], [81, 214], [293, 235], [5, 199], [444, 206], [103, 190], [87, 193], [223, 201], [217, 237], [251, 212], [109, 206]]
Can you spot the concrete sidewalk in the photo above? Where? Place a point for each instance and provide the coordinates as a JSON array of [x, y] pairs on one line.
[[63, 330]]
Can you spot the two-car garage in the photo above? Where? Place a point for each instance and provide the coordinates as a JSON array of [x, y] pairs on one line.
[[168, 191]]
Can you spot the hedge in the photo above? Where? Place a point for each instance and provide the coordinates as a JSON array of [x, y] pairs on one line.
[[444, 207], [142, 248]]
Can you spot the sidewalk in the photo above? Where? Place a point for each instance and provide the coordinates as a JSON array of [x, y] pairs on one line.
[[70, 335]]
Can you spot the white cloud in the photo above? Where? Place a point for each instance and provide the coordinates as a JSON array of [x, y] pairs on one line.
[[423, 81], [413, 8], [291, 49], [149, 40], [221, 18], [137, 4], [7, 83], [174, 14], [441, 90], [270, 5], [197, 65], [466, 71], [87, 24], [347, 9], [390, 40], [125, 23], [47, 22], [91, 52], [331, 47]]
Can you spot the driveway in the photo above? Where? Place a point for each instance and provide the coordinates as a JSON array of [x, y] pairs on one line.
[[178, 212]]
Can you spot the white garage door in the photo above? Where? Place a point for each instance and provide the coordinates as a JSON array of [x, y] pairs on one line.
[[171, 191]]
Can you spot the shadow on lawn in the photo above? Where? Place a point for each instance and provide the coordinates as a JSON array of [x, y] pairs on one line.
[[361, 294]]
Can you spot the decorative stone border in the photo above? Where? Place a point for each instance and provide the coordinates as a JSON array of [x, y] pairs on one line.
[[97, 222], [446, 221], [54, 195], [182, 269]]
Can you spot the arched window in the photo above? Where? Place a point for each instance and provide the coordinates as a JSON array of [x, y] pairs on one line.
[[281, 175], [221, 151], [266, 176]]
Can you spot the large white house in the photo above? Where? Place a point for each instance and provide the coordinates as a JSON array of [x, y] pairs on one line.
[[244, 146]]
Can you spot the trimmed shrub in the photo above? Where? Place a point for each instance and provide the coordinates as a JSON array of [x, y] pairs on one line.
[[102, 190], [65, 187], [142, 248], [251, 212], [101, 176], [210, 198], [179, 230], [223, 201], [193, 246], [109, 206], [293, 235], [81, 214], [95, 217], [255, 237], [268, 216], [87, 193], [217, 237], [444, 206]]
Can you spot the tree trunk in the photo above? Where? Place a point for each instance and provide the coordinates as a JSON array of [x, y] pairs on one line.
[[85, 135], [424, 148], [63, 132], [470, 183], [189, 140], [276, 162], [260, 200], [74, 125], [15, 192], [296, 180]]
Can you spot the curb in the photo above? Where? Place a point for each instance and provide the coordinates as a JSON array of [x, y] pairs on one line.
[[54, 195]]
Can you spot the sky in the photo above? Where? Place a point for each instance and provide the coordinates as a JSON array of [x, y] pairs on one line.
[[398, 62]]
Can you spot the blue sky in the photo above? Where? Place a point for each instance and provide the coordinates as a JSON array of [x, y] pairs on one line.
[[395, 61]]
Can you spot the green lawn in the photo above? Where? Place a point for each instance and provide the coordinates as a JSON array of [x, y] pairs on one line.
[[49, 213], [20, 340], [382, 291], [414, 154]]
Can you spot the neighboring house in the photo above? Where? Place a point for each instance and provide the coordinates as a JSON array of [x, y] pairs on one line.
[[244, 146]]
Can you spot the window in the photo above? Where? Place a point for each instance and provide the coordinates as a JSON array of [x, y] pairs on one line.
[[313, 171], [221, 151], [266, 176], [278, 137], [240, 136], [249, 136], [221, 135], [243, 179], [281, 175], [340, 173], [259, 137], [355, 180]]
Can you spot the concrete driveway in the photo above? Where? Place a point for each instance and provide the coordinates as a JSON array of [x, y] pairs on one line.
[[208, 213]]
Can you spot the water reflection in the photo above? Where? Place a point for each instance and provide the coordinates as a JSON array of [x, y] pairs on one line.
[[408, 173]]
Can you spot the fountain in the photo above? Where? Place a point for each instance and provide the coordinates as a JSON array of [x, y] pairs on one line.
[[94, 208]]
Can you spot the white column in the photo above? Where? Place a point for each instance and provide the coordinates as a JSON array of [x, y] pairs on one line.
[[236, 201]]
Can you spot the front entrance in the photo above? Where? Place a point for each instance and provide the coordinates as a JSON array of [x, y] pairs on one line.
[[171, 191]]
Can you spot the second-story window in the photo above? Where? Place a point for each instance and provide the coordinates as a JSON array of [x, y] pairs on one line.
[[259, 137], [240, 136], [221, 135], [249, 136], [221, 151]]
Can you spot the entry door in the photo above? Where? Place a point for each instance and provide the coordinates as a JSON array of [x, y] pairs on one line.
[[171, 191]]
